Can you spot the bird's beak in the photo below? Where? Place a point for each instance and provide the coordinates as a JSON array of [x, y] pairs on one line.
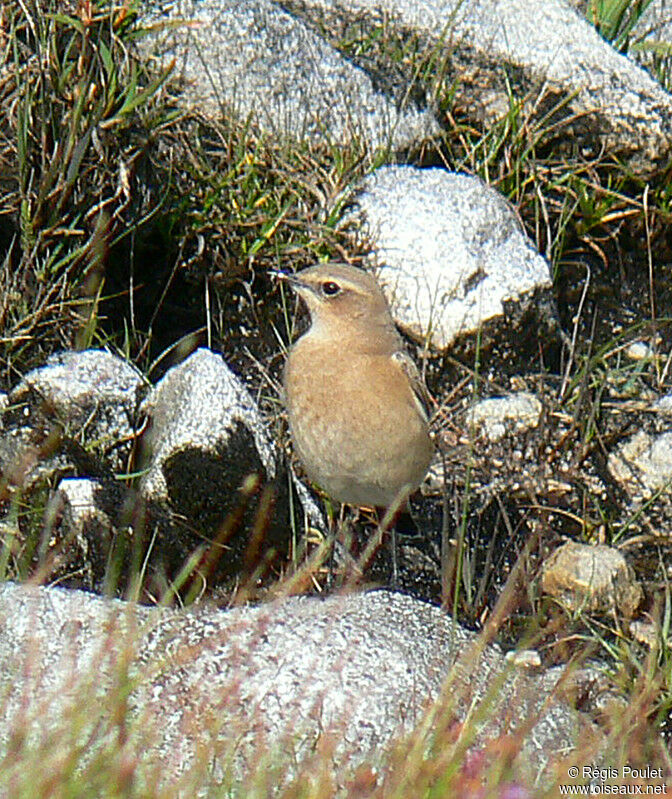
[[290, 278], [278, 274]]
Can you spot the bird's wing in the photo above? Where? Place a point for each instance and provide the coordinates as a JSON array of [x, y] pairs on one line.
[[420, 392]]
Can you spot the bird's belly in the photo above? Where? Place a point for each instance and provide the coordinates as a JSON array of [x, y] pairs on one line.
[[360, 448]]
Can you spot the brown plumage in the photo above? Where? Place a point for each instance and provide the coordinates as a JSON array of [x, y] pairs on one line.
[[354, 397]]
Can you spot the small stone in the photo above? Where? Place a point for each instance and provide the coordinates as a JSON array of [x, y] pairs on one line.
[[643, 463], [86, 530], [663, 404], [496, 416], [80, 506], [524, 658], [639, 350], [597, 579], [647, 633]]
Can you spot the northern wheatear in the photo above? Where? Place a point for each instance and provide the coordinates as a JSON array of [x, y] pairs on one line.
[[354, 397]]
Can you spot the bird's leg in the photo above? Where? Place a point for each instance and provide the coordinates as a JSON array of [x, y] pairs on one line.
[[395, 519], [332, 533], [395, 565], [340, 557], [387, 522]]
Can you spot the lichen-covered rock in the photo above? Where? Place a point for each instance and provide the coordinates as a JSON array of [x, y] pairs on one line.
[[610, 103], [211, 468], [281, 678], [452, 254], [272, 69], [81, 406], [76, 418]]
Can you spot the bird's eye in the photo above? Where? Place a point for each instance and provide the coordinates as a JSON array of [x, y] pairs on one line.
[[330, 289]]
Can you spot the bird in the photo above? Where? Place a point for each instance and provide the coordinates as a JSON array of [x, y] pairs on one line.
[[356, 404]]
